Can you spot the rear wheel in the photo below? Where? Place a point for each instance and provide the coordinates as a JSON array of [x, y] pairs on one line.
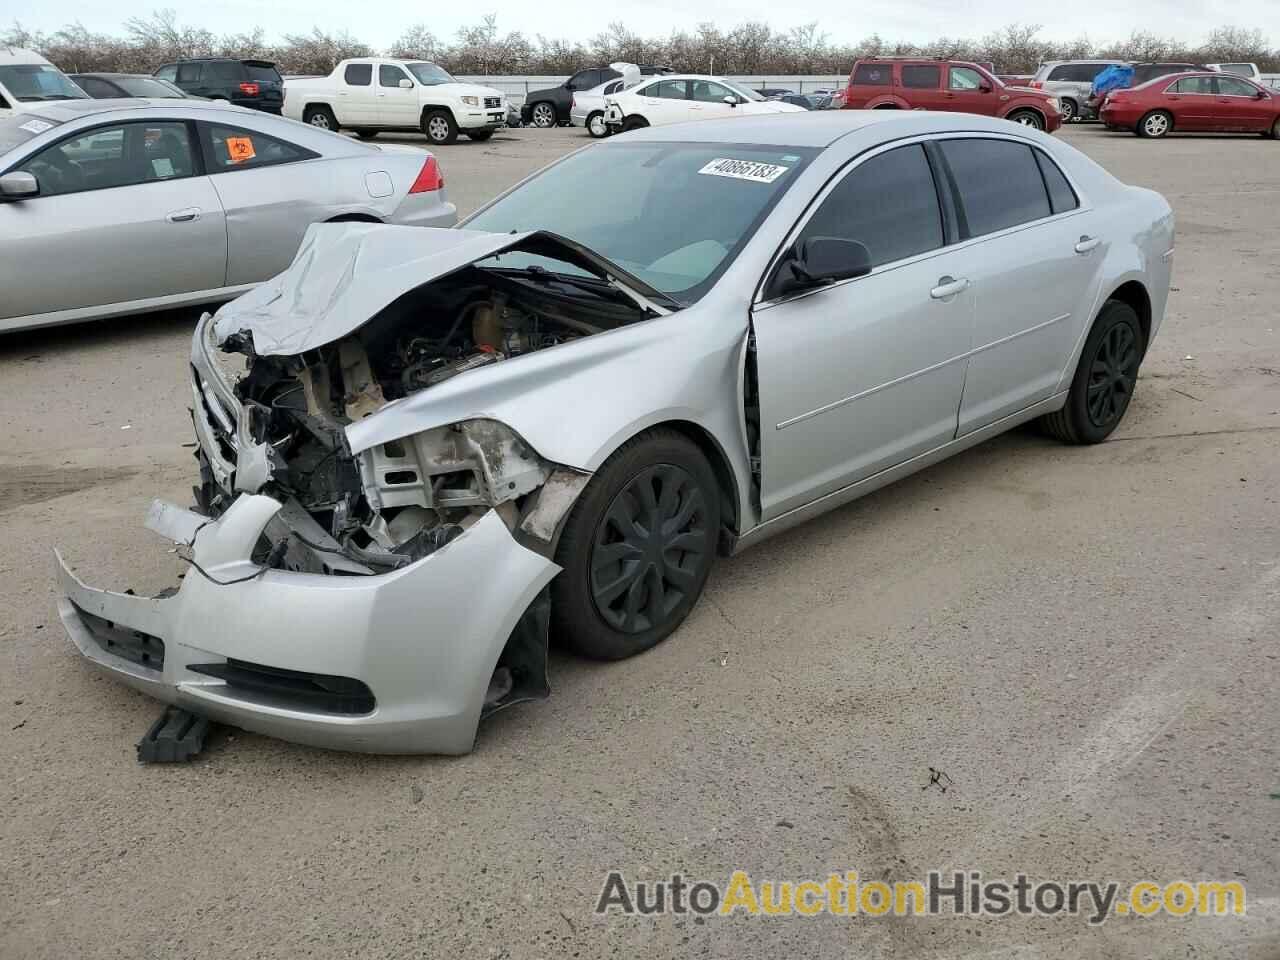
[[321, 117], [438, 127], [1069, 109], [1104, 380], [637, 548], [634, 123], [1155, 124], [596, 125], [543, 115], [1274, 132], [1027, 118]]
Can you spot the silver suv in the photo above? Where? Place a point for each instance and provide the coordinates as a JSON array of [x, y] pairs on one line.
[[1071, 81]]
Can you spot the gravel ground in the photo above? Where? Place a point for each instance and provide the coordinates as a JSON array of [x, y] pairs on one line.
[[1083, 639]]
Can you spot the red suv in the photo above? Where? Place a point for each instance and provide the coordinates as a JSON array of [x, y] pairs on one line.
[[885, 83]]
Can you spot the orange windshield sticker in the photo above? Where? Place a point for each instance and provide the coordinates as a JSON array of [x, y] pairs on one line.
[[240, 149]]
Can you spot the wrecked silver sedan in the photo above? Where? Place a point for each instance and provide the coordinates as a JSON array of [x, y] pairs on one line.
[[423, 452]]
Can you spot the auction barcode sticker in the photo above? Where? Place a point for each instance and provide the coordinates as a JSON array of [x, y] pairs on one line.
[[744, 170]]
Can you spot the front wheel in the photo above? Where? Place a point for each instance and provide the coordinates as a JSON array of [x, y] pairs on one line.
[[637, 548], [1155, 125], [596, 126], [1028, 118], [1104, 380], [543, 115], [439, 128]]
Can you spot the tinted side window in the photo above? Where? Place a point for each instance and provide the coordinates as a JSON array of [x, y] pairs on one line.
[[234, 148], [1062, 72], [358, 74], [122, 155], [1061, 196], [1196, 85], [168, 72], [873, 74], [965, 78], [888, 203], [390, 75], [706, 92], [98, 89], [1231, 87], [669, 90], [188, 72], [921, 76], [223, 72], [999, 182]]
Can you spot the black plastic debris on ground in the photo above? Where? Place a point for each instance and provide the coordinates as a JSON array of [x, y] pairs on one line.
[[177, 736]]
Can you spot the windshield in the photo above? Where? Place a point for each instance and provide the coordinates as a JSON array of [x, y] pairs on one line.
[[147, 87], [261, 72], [742, 91], [673, 214], [39, 81], [20, 129], [429, 74]]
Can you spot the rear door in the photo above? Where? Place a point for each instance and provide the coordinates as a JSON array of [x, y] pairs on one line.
[[357, 103], [921, 85], [1238, 106], [397, 106], [1034, 260], [1193, 103], [125, 213], [965, 92], [860, 375], [271, 193], [666, 101]]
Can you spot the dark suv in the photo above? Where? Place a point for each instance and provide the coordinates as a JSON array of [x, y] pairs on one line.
[[550, 107], [246, 83]]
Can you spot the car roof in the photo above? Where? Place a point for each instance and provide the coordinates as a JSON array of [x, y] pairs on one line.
[[113, 76], [818, 128], [64, 111], [20, 57]]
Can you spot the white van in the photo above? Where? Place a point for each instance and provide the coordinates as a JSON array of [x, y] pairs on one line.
[[28, 79]]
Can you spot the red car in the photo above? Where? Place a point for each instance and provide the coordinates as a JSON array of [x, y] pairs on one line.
[[1193, 102], [914, 83]]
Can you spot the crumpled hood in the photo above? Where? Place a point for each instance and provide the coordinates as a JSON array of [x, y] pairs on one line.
[[345, 273]]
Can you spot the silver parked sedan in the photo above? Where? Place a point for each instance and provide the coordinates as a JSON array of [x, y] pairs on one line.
[[451, 444], [110, 207]]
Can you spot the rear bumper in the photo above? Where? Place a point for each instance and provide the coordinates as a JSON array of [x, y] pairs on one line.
[[430, 209], [423, 640]]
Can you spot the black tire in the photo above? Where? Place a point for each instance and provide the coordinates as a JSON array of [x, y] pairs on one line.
[[1154, 125], [1069, 108], [543, 114], [1027, 118], [595, 122], [438, 127], [1274, 132], [480, 136], [1105, 378], [321, 117], [365, 133], [634, 123], [606, 603]]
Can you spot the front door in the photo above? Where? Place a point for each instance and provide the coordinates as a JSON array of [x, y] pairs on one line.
[[397, 105], [707, 100], [124, 213], [968, 91], [1034, 259], [1239, 108], [864, 374]]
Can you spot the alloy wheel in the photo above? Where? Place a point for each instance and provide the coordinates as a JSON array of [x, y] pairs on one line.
[[595, 125], [544, 115], [1112, 375], [1028, 119], [1068, 110], [320, 120], [1156, 125], [649, 549], [438, 129]]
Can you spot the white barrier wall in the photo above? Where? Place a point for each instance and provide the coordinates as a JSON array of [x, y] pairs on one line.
[[516, 87]]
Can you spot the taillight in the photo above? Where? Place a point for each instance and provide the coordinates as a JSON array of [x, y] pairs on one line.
[[249, 89], [429, 178], [1038, 84]]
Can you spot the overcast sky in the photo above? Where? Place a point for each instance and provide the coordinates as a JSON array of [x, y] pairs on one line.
[[1103, 20]]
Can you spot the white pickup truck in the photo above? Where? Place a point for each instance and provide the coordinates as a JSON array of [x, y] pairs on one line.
[[370, 94]]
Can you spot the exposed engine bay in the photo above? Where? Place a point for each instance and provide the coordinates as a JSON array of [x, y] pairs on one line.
[[399, 501]]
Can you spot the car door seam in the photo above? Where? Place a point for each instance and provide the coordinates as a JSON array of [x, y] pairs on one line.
[[828, 407]]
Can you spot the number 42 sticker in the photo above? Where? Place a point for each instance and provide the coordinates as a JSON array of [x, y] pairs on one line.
[[240, 149]]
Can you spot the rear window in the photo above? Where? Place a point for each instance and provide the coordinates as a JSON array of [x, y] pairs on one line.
[[1061, 197], [188, 72], [147, 87], [262, 71], [999, 182], [872, 74], [358, 74], [921, 76]]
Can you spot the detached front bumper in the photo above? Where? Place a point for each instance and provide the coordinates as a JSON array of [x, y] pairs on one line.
[[393, 663]]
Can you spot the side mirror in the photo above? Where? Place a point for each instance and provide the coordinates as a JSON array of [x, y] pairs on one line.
[[731, 100], [822, 260], [984, 87], [406, 83], [1262, 95], [19, 185]]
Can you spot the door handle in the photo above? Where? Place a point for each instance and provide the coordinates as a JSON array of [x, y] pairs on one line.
[[948, 287], [1086, 244], [183, 216]]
